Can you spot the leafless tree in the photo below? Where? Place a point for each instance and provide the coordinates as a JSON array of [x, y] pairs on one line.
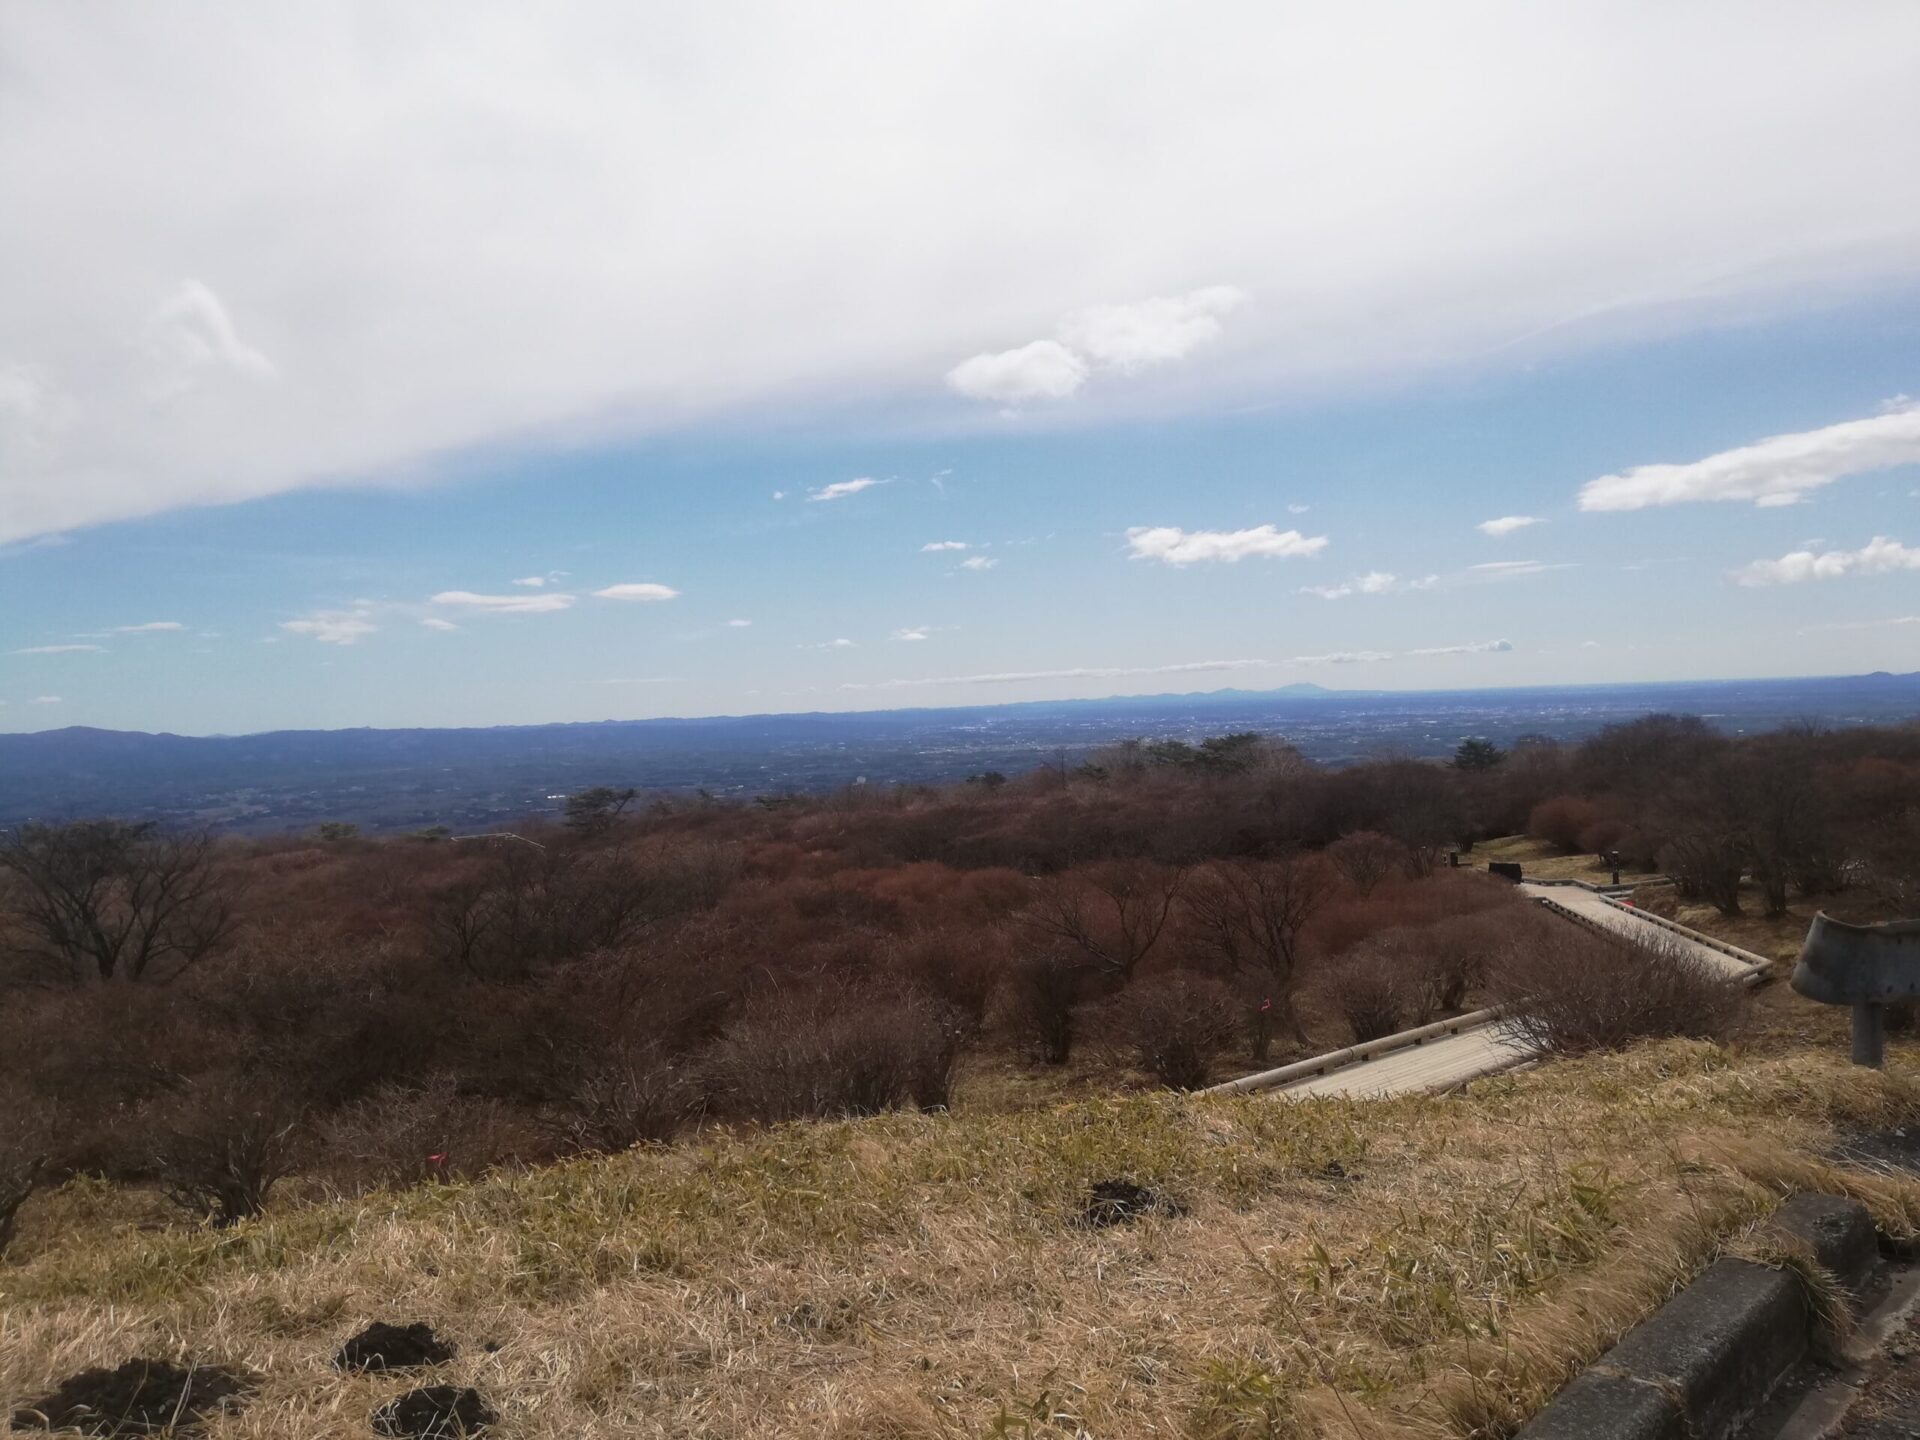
[[1250, 914], [107, 900], [1367, 857], [1114, 913]]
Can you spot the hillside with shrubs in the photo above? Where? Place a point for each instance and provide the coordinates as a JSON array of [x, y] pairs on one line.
[[214, 1036]]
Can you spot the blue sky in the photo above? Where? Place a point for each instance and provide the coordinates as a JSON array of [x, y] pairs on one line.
[[287, 441]]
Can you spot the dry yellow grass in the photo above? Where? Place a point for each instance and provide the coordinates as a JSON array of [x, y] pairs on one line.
[[1419, 1267], [1544, 862]]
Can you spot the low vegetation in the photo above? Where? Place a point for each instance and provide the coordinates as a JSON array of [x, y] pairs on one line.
[[789, 1117]]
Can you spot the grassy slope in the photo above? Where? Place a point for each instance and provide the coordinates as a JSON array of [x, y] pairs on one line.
[[1430, 1266]]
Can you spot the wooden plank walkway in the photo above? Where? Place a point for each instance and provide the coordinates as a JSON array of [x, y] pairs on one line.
[[1427, 1063]]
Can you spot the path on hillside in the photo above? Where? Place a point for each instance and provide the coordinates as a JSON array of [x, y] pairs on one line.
[[1441, 1057]]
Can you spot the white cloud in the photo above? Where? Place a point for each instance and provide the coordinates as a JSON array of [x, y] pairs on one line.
[[779, 494], [46, 700], [1124, 338], [913, 632], [334, 627], [840, 643], [434, 622], [642, 591], [152, 627], [1507, 524], [935, 545], [533, 582], [1102, 672], [1779, 470], [738, 624], [1374, 582], [1344, 657], [978, 562], [504, 604], [1879, 556], [1150, 332], [189, 337], [1298, 509], [1484, 647], [841, 489], [1173, 546], [61, 650], [1408, 222], [1044, 370]]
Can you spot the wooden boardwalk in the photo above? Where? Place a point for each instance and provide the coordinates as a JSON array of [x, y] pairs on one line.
[[1437, 1058]]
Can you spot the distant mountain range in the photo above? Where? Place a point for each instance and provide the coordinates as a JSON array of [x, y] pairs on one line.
[[473, 777]]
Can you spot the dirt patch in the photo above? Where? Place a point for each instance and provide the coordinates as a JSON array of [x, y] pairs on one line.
[[141, 1397], [1119, 1202], [393, 1347], [437, 1412]]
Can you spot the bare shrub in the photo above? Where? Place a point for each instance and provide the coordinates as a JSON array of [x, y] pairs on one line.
[[223, 1145], [836, 1051], [1175, 1024], [403, 1135], [1371, 989], [1035, 1005], [1561, 820], [1455, 958], [104, 900], [1569, 991], [1114, 912], [24, 1154], [1367, 857], [1249, 915], [632, 1096]]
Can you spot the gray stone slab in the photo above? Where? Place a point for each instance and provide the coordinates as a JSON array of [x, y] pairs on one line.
[[1839, 1232], [1597, 1406]]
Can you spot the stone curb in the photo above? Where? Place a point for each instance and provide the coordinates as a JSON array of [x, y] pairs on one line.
[[1708, 1359]]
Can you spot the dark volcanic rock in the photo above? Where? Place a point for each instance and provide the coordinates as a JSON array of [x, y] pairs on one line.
[[393, 1347], [438, 1412], [1116, 1202], [141, 1397]]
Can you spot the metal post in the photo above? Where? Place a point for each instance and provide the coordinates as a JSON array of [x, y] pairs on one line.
[[1869, 1035]]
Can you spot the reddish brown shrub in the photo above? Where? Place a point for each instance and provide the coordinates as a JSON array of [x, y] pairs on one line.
[[1174, 1024], [1569, 991], [835, 1051], [1036, 1003], [1561, 820], [222, 1145], [1367, 857]]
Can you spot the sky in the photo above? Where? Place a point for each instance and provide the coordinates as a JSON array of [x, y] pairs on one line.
[[471, 363]]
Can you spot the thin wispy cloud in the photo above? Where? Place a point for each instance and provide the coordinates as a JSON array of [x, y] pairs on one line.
[[841, 489], [1344, 657], [434, 622], [543, 604], [334, 627], [1484, 647], [1171, 545], [1374, 582], [152, 627], [738, 624], [641, 591], [77, 649], [1507, 524], [1780, 470], [1879, 556], [933, 546], [1083, 672], [978, 562], [47, 700], [913, 632], [1891, 621], [533, 582]]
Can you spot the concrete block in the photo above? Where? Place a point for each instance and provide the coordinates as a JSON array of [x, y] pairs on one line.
[[1839, 1232], [1598, 1406], [1721, 1344]]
